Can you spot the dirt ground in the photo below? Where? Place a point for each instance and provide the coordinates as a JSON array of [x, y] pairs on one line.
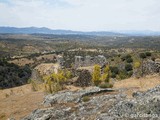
[[142, 84], [19, 102]]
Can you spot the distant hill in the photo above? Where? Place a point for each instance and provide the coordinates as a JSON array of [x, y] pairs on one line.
[[140, 33], [44, 30]]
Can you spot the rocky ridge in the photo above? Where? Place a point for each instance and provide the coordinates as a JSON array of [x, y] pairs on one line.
[[101, 105]]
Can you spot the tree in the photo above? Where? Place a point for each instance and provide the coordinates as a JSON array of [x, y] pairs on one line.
[[128, 67], [142, 55], [114, 70], [96, 75], [106, 69], [148, 54], [106, 74], [55, 81], [137, 65], [129, 60]]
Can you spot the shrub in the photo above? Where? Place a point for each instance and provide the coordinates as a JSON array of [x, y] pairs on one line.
[[105, 77], [128, 67], [123, 58], [119, 55], [126, 57], [96, 75], [130, 73], [148, 54], [85, 99], [113, 75], [137, 65], [114, 70], [106, 85], [129, 60], [142, 55], [106, 69], [55, 82], [123, 74], [112, 59]]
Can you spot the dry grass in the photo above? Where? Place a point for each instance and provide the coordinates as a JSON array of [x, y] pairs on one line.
[[47, 68], [134, 84], [19, 101], [22, 61]]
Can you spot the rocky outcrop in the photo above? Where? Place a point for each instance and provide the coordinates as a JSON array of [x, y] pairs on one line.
[[72, 96], [101, 105], [144, 106], [150, 67]]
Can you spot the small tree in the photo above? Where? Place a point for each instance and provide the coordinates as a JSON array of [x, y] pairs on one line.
[[129, 60], [106, 73], [96, 75], [148, 54], [128, 67], [114, 70], [137, 65], [142, 55]]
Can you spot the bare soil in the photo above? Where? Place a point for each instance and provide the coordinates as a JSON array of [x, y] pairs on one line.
[[19, 102]]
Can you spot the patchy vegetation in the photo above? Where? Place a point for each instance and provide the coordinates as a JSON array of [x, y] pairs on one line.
[[12, 75]]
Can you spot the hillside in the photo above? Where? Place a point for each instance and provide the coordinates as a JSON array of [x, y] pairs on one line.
[[24, 100]]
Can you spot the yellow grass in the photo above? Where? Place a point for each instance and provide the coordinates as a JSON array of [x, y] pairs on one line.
[[134, 84]]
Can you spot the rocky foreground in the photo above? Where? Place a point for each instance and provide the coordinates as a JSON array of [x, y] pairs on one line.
[[99, 104]]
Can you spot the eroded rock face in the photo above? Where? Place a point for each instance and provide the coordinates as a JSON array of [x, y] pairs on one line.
[[100, 106], [144, 106], [150, 67], [70, 96]]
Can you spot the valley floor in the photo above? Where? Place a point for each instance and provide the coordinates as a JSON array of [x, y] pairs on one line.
[[20, 101]]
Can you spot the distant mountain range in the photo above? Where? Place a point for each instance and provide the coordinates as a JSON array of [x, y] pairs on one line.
[[44, 30]]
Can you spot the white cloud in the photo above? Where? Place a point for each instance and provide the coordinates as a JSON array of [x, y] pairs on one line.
[[82, 14]]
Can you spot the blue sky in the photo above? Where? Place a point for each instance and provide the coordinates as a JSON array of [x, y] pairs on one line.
[[84, 15]]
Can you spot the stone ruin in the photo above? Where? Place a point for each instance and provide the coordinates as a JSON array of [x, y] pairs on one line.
[[150, 67], [60, 60], [89, 61]]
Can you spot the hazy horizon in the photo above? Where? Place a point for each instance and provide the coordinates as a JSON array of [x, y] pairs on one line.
[[82, 15]]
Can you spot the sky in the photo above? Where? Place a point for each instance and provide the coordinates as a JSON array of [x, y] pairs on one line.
[[82, 15]]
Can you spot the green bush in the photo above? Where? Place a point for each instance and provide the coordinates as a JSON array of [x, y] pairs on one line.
[[114, 70], [130, 73], [142, 55], [85, 99], [126, 57], [106, 85], [128, 67], [129, 60], [148, 54], [113, 75], [123, 74]]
